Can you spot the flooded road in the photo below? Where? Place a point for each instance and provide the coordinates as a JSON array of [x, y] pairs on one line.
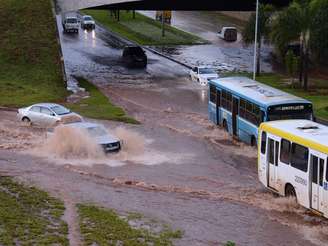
[[222, 55], [174, 167]]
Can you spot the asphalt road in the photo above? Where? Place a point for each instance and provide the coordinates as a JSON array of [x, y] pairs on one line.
[[176, 167]]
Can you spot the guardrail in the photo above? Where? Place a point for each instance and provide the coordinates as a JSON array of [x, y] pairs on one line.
[[62, 63]]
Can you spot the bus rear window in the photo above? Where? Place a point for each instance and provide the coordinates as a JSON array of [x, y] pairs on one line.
[[290, 111], [299, 157]]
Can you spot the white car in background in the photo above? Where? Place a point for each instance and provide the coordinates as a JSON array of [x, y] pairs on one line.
[[97, 132], [203, 74], [47, 114], [88, 22], [229, 34], [70, 23]]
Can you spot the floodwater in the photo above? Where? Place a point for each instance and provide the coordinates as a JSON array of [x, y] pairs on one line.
[[175, 167], [222, 55]]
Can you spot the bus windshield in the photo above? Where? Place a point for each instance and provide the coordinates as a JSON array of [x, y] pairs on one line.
[[290, 111]]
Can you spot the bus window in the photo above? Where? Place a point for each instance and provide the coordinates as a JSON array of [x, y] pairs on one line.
[[271, 151], [314, 163], [299, 157], [242, 108], [290, 111], [327, 169], [284, 151], [276, 153], [212, 94], [321, 172], [226, 100], [250, 112], [229, 101], [249, 106], [263, 142]]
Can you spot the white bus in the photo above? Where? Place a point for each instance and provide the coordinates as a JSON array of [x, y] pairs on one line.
[[293, 159]]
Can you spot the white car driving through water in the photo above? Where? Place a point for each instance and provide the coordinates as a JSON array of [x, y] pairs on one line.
[[88, 22], [203, 74], [47, 114], [96, 132], [70, 23]]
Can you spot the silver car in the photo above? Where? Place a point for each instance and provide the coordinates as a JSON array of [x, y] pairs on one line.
[[88, 22], [47, 114], [97, 132]]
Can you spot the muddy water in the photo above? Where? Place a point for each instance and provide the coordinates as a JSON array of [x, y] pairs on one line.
[[175, 166], [191, 185]]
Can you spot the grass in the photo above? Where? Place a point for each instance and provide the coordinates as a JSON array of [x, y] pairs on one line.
[[98, 106], [144, 30], [99, 226], [29, 59], [317, 94], [29, 216], [224, 20]]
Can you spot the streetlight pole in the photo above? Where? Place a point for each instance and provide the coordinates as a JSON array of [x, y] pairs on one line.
[[255, 40]]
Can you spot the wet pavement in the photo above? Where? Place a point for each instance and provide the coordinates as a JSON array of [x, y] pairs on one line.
[[175, 167], [222, 55]]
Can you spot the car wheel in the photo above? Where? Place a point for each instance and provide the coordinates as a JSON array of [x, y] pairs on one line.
[[253, 142], [290, 191], [27, 121], [225, 126]]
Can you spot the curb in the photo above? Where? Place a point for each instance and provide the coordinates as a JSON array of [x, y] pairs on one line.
[[167, 57], [62, 63], [8, 109]]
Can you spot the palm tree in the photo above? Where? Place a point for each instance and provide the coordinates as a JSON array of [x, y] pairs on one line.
[[265, 13], [294, 23], [319, 32]]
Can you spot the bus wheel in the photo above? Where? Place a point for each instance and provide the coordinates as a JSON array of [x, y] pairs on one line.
[[253, 142], [225, 126], [290, 191]]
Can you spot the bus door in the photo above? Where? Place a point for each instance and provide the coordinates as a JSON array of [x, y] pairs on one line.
[[317, 164], [273, 153], [218, 105], [235, 110]]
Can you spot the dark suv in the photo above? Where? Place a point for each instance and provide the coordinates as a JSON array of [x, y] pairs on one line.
[[134, 56]]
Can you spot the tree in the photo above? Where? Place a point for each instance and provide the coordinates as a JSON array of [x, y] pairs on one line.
[[265, 13], [292, 24], [319, 34], [292, 65]]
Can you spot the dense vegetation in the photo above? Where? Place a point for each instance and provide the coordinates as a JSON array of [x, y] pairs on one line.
[[29, 58], [304, 23]]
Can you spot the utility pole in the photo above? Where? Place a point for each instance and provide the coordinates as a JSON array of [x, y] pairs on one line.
[[255, 40], [163, 26]]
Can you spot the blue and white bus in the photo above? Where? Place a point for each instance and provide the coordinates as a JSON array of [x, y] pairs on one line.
[[240, 104]]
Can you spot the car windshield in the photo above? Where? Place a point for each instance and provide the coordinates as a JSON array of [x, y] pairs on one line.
[[136, 51], [87, 18], [60, 110], [97, 131], [71, 20], [206, 71]]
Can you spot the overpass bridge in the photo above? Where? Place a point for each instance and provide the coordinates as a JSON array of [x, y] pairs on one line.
[[219, 5]]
